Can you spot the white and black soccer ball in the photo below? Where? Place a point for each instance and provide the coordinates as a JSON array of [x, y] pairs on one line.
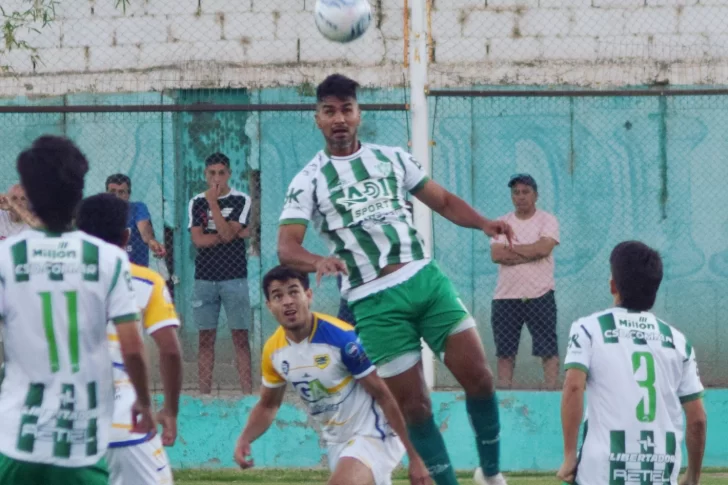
[[343, 20]]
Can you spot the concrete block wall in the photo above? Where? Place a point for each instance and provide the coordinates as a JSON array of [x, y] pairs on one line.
[[156, 44]]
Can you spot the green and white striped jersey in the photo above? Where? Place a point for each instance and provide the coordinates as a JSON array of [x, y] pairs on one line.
[[357, 203], [57, 293], [640, 372]]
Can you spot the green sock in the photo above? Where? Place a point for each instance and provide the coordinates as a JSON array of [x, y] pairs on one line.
[[428, 442], [483, 414]]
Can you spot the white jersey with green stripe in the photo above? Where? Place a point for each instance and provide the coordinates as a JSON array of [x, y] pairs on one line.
[[640, 371], [57, 293], [357, 203]]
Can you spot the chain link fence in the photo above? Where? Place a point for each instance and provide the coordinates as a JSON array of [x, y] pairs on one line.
[[609, 170], [142, 74]]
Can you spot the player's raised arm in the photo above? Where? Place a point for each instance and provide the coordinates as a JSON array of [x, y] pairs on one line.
[[259, 420], [445, 203], [297, 212]]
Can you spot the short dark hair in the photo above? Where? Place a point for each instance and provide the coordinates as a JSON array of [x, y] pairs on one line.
[[216, 158], [337, 85], [104, 216], [118, 179], [284, 273], [637, 273], [52, 172]]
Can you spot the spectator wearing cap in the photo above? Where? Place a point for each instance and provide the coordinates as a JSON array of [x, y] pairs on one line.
[[525, 289], [218, 223]]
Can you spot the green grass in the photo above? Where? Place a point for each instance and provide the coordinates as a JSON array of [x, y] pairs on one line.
[[301, 477]]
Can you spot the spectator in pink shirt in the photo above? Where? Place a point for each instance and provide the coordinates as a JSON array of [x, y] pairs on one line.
[[525, 289]]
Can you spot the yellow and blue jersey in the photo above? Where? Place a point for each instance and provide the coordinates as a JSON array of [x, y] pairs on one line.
[[324, 370], [157, 310]]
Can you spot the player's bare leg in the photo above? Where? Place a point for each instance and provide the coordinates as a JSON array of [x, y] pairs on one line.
[[350, 471], [242, 359], [465, 358], [551, 372], [206, 359], [410, 390], [506, 367]]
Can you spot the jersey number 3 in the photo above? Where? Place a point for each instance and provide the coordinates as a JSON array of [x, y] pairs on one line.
[[646, 408]]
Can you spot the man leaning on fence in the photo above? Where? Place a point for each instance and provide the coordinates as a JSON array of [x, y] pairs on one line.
[[525, 288], [218, 225]]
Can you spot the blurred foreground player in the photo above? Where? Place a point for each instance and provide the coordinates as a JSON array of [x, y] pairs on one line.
[[138, 459], [640, 375], [58, 289], [322, 358]]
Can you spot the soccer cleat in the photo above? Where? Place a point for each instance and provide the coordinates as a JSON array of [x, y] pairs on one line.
[[481, 479]]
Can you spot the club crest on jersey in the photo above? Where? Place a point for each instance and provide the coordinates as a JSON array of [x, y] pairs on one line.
[[321, 361], [285, 367]]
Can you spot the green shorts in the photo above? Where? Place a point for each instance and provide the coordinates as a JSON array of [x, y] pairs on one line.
[[391, 322], [15, 472]]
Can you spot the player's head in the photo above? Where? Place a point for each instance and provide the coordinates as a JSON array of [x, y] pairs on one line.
[[119, 185], [52, 173], [104, 216], [337, 111], [524, 192], [636, 275], [217, 170], [288, 296], [17, 197]]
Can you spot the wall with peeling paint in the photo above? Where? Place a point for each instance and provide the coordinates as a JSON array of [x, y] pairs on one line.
[[530, 437], [93, 46]]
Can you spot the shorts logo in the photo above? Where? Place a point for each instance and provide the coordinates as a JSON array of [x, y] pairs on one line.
[[321, 361], [285, 367]]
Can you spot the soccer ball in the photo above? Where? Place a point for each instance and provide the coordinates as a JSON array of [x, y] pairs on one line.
[[343, 20]]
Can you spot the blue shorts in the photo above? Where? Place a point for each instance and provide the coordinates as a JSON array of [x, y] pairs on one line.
[[231, 294]]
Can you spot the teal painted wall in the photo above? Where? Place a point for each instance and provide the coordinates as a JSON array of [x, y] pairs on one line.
[[609, 168], [530, 437]]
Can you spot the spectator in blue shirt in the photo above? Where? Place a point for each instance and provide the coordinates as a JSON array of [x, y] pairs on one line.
[[142, 234]]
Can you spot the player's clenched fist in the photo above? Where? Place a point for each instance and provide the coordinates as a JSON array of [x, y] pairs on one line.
[[242, 454]]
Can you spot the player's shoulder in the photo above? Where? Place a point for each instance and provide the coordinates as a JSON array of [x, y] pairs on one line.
[[146, 275], [332, 331], [275, 342], [312, 168], [592, 320], [679, 339]]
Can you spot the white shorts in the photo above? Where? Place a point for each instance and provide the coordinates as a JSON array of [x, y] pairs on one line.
[[142, 464], [381, 457]]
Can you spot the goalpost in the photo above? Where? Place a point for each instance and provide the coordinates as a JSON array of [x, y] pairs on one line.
[[418, 57]]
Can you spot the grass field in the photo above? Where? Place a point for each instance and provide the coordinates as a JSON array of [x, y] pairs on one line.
[[279, 477]]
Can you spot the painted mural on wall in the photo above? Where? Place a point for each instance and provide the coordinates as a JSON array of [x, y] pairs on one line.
[[609, 168]]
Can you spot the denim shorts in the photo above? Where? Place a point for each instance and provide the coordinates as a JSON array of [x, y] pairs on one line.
[[231, 294]]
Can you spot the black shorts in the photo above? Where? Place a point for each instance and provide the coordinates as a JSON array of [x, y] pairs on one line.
[[539, 315]]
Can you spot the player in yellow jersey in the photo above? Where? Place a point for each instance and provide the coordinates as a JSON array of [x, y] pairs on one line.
[[138, 459], [325, 363]]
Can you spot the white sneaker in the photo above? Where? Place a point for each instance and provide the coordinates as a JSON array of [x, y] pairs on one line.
[[481, 479]]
